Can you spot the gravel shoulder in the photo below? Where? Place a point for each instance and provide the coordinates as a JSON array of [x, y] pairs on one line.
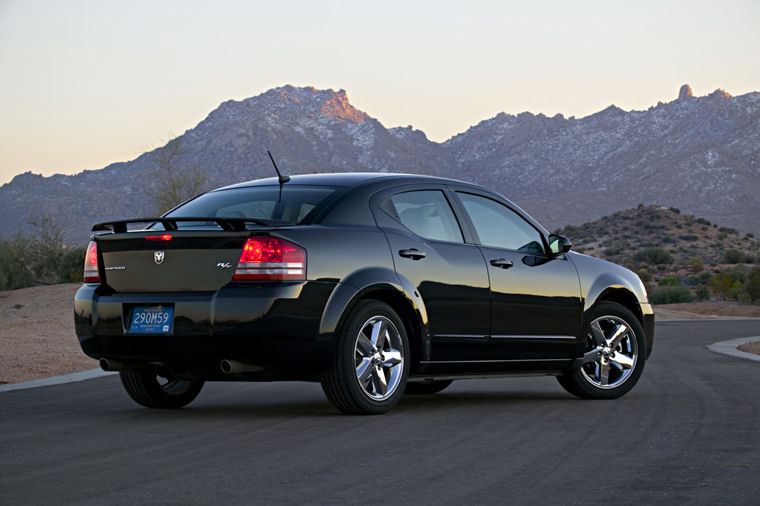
[[37, 336]]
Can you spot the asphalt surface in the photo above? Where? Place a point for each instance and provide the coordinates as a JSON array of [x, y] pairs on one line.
[[688, 433]]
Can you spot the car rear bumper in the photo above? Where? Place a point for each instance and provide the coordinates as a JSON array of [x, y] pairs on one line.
[[274, 325]]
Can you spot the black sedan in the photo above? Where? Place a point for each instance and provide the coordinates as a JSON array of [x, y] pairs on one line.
[[375, 285]]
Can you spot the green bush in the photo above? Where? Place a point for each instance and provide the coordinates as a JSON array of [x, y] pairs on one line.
[[702, 293], [668, 281], [654, 256], [734, 256], [670, 295], [728, 284], [753, 285], [700, 278]]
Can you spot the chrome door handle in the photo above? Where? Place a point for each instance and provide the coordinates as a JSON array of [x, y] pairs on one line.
[[412, 253], [502, 262]]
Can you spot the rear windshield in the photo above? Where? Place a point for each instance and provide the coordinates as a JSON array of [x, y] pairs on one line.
[[289, 204]]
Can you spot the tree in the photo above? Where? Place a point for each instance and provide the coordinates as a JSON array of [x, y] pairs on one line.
[[174, 183]]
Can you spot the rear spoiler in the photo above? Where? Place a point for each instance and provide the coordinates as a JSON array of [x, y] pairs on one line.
[[230, 224]]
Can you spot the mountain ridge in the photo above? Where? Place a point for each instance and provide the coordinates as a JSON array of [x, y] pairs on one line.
[[701, 154]]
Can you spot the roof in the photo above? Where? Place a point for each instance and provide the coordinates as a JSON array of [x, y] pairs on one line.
[[345, 179]]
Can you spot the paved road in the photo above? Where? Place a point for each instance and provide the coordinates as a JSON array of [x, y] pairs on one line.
[[688, 433]]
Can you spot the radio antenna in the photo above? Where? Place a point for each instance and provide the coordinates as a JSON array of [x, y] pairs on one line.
[[280, 177]]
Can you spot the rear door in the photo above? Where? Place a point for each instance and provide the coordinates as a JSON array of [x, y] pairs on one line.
[[430, 250], [536, 307]]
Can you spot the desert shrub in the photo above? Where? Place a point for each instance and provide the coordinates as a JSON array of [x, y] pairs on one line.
[[668, 281], [699, 278], [40, 259], [753, 285], [702, 293], [13, 271], [675, 210], [733, 256], [703, 221], [654, 256], [688, 237], [670, 295], [697, 264], [729, 230], [729, 284]]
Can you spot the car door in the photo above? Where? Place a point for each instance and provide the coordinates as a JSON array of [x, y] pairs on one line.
[[429, 249], [536, 305]]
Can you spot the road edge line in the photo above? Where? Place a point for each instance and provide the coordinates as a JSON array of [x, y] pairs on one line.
[[56, 380]]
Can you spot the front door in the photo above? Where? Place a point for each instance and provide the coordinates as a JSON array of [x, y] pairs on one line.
[[536, 307]]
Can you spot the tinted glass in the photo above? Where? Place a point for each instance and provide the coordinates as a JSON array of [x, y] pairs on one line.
[[262, 202], [500, 227], [427, 213]]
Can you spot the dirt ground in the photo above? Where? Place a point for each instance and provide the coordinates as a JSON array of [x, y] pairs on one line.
[[37, 337]]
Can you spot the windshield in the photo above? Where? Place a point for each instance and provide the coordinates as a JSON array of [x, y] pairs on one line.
[[290, 204]]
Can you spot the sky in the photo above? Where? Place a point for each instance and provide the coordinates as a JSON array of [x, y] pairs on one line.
[[85, 83]]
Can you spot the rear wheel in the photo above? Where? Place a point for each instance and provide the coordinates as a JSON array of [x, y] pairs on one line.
[[614, 357], [426, 387], [369, 372], [154, 389]]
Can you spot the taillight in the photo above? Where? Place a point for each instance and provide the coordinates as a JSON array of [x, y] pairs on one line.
[[162, 237], [267, 258], [91, 274]]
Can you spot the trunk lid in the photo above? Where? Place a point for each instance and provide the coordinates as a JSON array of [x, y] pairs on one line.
[[178, 261]]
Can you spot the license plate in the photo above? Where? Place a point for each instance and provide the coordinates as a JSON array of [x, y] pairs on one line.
[[151, 320]]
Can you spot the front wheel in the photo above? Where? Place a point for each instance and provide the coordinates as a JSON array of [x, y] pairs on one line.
[[154, 389], [614, 357], [369, 371]]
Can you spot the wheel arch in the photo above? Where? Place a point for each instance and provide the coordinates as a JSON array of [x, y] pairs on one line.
[[622, 296], [385, 286], [619, 290]]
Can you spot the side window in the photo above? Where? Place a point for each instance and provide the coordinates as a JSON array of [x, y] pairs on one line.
[[427, 213], [500, 227]]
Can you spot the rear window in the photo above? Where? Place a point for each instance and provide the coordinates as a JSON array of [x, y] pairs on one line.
[[290, 204]]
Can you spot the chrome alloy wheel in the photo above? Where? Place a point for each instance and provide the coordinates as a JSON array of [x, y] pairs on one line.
[[379, 358], [615, 352]]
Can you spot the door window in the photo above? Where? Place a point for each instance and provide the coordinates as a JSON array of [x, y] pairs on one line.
[[498, 226], [427, 213]]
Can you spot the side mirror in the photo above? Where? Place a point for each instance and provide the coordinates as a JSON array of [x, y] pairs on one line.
[[559, 244]]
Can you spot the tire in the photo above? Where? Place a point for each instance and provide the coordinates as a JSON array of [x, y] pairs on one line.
[[426, 387], [615, 354], [369, 371], [152, 389]]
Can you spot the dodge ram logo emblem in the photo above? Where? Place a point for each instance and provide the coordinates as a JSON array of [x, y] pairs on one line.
[[158, 257]]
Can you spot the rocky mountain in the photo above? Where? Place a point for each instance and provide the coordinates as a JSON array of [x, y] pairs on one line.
[[701, 154]]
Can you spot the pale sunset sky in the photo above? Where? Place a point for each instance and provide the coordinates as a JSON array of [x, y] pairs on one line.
[[84, 83]]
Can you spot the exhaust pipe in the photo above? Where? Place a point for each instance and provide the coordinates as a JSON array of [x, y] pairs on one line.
[[112, 365], [235, 367]]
